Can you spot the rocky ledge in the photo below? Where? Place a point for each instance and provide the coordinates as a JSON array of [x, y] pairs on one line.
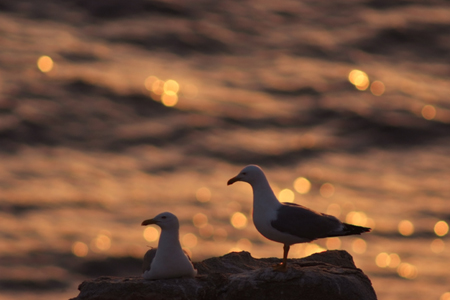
[[326, 275]]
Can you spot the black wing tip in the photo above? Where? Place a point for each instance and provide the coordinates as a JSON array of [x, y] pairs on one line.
[[355, 229]]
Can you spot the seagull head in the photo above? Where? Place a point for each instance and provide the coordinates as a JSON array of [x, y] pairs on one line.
[[250, 174], [165, 220]]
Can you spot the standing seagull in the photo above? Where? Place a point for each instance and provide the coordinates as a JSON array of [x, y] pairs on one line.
[[288, 223], [169, 261]]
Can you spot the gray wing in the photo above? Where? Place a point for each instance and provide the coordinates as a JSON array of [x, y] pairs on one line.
[[304, 222], [148, 258]]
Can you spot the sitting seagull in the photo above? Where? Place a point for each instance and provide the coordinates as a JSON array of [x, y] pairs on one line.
[[288, 223], [168, 260]]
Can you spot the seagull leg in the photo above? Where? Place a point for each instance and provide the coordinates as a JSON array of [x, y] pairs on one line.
[[282, 267]]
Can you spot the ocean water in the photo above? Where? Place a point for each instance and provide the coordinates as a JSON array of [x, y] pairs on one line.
[[111, 113]]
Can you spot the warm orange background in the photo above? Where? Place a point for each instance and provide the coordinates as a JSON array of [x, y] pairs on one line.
[[114, 111]]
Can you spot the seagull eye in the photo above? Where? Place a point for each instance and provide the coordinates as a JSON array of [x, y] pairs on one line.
[[244, 173], [163, 217]]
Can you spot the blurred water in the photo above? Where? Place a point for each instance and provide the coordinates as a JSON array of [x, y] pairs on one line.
[[143, 107]]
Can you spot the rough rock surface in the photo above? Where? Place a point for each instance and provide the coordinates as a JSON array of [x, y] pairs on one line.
[[326, 275]]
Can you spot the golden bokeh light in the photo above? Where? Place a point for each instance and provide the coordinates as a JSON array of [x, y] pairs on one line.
[[428, 112], [286, 195], [437, 246], [189, 240], [406, 228], [359, 246], [312, 248], [171, 87], [169, 100], [394, 260], [382, 260], [302, 185], [148, 83], [359, 79], [200, 220], [377, 88], [244, 244], [45, 64], [441, 228], [333, 243], [356, 218], [150, 234], [206, 231], [238, 220], [327, 190], [220, 234], [203, 194], [164, 91], [101, 243], [334, 209], [407, 271], [157, 87], [445, 296], [234, 249], [80, 249]]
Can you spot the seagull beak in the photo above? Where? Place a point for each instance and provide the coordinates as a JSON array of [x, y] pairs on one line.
[[233, 180], [148, 222]]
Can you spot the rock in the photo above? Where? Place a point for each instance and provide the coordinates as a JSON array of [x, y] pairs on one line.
[[326, 275]]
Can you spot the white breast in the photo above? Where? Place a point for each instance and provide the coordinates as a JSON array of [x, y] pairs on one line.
[[170, 261], [170, 265]]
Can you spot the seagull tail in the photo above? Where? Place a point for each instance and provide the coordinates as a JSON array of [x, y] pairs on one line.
[[349, 229]]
